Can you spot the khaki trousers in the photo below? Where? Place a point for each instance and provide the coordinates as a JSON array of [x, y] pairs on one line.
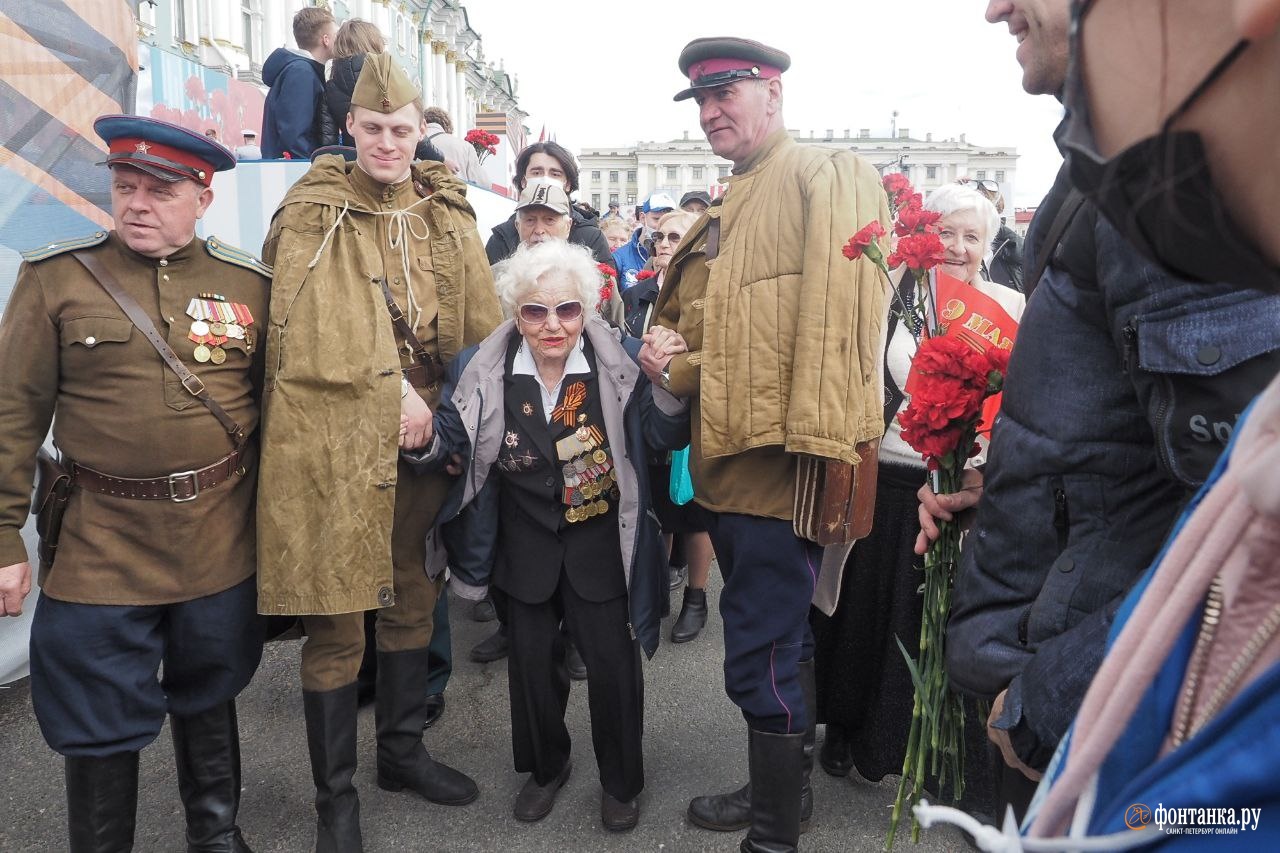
[[334, 645]]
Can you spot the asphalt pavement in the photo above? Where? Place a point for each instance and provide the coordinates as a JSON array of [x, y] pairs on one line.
[[695, 743]]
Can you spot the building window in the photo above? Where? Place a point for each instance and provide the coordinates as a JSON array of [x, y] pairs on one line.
[[931, 172], [671, 172], [613, 198], [595, 200], [613, 176], [180, 21], [631, 198], [595, 174], [697, 173], [981, 174], [631, 176], [1000, 175], [724, 171]]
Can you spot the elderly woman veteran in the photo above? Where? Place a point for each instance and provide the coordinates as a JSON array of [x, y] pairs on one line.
[[864, 690], [551, 412]]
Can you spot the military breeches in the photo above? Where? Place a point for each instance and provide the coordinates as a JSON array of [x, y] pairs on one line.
[[335, 644], [769, 577], [96, 670]]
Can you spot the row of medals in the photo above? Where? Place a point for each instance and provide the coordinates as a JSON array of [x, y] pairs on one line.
[[214, 320], [587, 477]]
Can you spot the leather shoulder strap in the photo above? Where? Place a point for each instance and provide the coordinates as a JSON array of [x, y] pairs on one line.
[[191, 382], [420, 353], [1066, 213]]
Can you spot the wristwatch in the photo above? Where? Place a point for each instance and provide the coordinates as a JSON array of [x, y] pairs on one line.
[[405, 387], [666, 378]]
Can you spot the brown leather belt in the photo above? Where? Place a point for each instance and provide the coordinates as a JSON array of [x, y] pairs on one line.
[[178, 487]]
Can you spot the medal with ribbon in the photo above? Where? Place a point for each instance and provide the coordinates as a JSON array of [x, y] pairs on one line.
[[574, 396]]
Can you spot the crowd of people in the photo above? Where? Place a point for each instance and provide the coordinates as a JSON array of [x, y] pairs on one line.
[[572, 417]]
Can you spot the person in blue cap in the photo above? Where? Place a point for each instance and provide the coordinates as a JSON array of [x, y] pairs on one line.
[[154, 562], [631, 257]]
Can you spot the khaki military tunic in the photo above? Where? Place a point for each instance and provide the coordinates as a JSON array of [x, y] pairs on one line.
[[69, 354], [760, 481]]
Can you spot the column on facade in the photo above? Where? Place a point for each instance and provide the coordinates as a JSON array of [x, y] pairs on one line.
[[459, 101], [425, 67], [438, 75]]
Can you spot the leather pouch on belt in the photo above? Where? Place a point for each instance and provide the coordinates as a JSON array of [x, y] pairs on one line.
[[53, 491]]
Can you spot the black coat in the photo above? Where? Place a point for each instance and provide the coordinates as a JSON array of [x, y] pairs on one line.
[[505, 239]]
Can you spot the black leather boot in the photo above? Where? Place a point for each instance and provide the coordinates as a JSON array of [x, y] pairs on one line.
[[206, 750], [732, 812], [809, 686], [102, 802], [400, 709], [776, 774], [693, 616], [331, 740]]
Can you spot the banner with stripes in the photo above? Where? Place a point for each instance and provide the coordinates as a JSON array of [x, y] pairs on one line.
[[63, 63]]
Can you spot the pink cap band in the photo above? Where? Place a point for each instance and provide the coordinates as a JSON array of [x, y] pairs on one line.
[[718, 66]]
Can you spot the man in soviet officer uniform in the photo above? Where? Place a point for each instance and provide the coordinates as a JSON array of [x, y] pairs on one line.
[[783, 358], [155, 560], [380, 279]]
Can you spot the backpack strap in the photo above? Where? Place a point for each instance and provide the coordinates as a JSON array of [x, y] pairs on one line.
[[1070, 207]]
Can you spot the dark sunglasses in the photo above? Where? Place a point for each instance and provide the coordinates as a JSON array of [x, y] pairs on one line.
[[658, 237], [533, 312]]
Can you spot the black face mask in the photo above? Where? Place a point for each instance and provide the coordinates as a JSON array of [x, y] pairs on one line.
[[1159, 192]]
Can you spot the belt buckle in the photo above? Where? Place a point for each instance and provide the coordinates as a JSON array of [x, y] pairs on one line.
[[174, 479]]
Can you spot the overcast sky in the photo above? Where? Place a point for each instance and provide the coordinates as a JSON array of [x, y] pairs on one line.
[[603, 73]]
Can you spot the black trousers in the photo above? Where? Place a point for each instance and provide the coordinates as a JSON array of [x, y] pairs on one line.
[[539, 687]]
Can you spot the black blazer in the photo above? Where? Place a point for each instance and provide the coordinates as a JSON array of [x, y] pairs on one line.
[[535, 540]]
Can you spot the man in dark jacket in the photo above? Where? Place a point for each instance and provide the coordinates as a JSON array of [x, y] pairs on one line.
[[552, 161], [1122, 391], [291, 115]]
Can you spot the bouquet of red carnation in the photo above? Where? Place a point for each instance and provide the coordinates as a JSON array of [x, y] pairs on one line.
[[483, 141], [645, 275], [951, 381], [950, 378], [606, 289]]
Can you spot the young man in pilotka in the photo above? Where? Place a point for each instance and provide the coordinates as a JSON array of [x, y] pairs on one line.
[[380, 279], [783, 338]]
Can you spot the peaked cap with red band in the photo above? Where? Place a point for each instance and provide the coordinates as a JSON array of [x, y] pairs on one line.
[[720, 60], [163, 150]]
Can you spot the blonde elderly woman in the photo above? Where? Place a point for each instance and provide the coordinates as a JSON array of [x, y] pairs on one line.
[[864, 689], [549, 416], [683, 527]]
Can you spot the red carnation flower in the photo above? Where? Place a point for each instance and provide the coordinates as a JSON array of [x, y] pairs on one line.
[[920, 252], [913, 218], [864, 239], [645, 275]]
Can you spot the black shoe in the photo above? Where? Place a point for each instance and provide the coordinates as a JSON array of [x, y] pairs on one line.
[[494, 648], [574, 663], [482, 611], [102, 802], [400, 711], [435, 710], [722, 812], [693, 616], [206, 749], [331, 741], [618, 816], [676, 576], [534, 802], [777, 773], [836, 755]]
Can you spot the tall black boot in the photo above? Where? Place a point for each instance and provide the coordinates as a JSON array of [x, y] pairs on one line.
[[693, 616], [809, 685], [331, 740], [102, 802], [400, 709], [732, 812], [776, 774], [206, 750]]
